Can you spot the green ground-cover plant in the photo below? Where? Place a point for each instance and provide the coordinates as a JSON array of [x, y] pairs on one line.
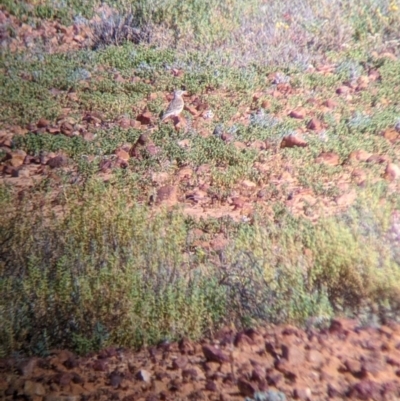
[[102, 262]]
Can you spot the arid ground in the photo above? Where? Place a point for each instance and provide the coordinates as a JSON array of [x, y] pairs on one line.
[[249, 247]]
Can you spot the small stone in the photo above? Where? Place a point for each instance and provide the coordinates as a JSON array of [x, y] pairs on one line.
[[66, 128], [274, 378], [26, 368], [391, 135], [366, 390], [77, 379], [71, 363], [54, 397], [295, 355], [115, 379], [331, 104], [100, 365], [258, 375], [144, 118], [354, 367], [17, 158], [57, 161], [190, 374], [64, 379], [298, 114], [302, 393], [122, 154], [211, 386], [246, 388], [32, 388], [249, 184], [42, 123], [392, 172], [343, 90], [316, 358], [185, 346], [292, 141], [334, 390], [346, 199], [167, 193], [180, 362], [360, 155], [143, 375], [213, 354], [314, 124], [329, 158]]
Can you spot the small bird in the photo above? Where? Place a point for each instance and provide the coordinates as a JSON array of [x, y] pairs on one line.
[[176, 106]]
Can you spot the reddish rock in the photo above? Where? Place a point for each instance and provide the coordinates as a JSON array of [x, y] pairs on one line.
[[315, 358], [239, 145], [315, 124], [100, 365], [186, 346], [213, 354], [246, 388], [372, 363], [53, 130], [366, 390], [77, 379], [258, 375], [334, 389], [354, 367], [298, 114], [26, 367], [211, 386], [292, 353], [71, 363], [257, 96], [63, 379], [144, 375], [88, 136], [17, 158], [302, 393], [115, 379], [13, 171], [329, 158], [43, 123], [190, 374], [360, 155], [57, 161], [393, 360], [379, 159], [258, 145], [343, 90], [331, 104], [122, 154], [66, 128], [227, 137], [33, 389], [144, 118], [392, 172], [346, 199], [180, 362], [292, 141], [342, 326], [287, 369], [167, 193], [391, 135]]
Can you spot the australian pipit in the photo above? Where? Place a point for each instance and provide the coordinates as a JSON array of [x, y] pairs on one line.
[[176, 106]]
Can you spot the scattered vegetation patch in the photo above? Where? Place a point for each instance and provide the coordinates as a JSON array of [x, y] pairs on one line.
[[100, 270]]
